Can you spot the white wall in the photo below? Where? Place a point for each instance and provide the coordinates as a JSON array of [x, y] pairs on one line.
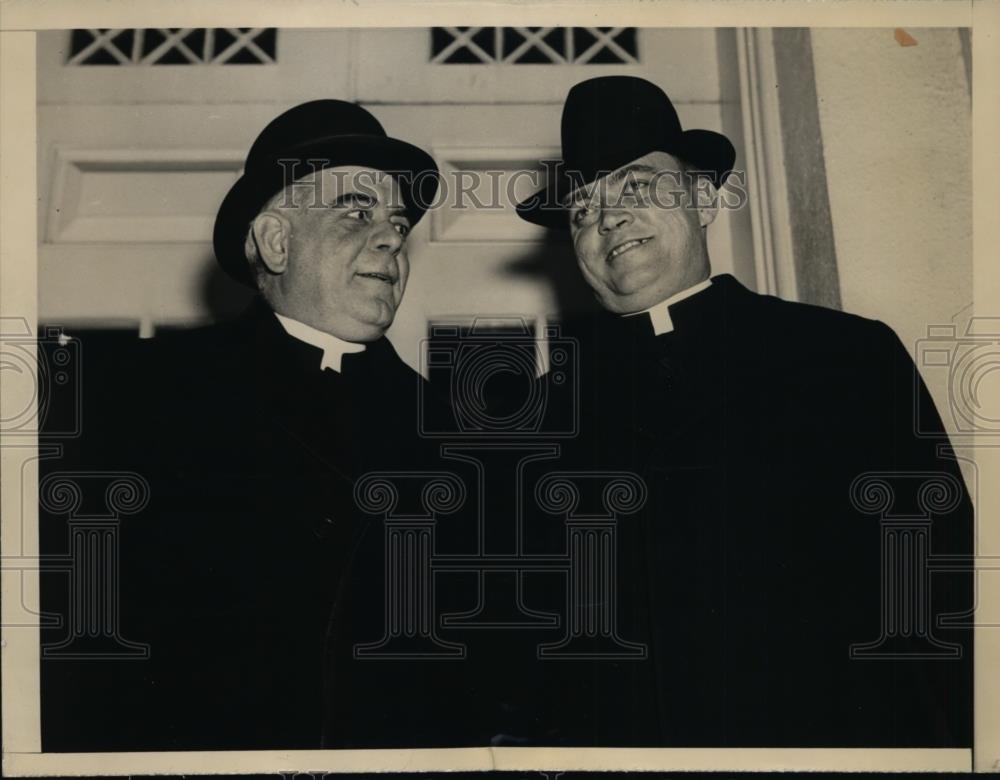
[[133, 161], [897, 136]]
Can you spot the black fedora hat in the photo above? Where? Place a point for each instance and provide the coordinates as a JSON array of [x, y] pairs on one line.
[[610, 121], [319, 134]]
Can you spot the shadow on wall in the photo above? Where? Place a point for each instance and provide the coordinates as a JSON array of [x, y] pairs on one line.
[[550, 264], [553, 265]]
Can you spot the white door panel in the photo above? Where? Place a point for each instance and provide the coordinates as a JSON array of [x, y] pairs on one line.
[[310, 64], [134, 159], [685, 62]]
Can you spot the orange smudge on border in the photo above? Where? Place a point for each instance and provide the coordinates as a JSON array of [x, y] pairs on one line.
[[903, 38]]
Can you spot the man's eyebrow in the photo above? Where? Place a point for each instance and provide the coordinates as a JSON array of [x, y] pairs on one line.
[[354, 199], [364, 199], [612, 178], [629, 170]]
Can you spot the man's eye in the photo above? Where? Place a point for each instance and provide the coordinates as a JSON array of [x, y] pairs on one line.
[[582, 215], [402, 229], [359, 214]]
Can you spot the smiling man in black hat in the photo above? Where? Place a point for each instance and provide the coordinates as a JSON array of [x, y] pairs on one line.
[[261, 427], [759, 574]]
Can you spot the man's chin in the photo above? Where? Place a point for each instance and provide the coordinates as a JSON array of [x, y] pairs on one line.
[[362, 326], [378, 321], [629, 300], [633, 282]]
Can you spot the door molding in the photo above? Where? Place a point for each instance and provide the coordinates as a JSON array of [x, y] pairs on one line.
[[794, 252]]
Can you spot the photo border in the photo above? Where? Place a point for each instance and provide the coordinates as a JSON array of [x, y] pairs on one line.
[[18, 299]]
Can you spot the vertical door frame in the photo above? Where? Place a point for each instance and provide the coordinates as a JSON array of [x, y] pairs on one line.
[[794, 252], [765, 164]]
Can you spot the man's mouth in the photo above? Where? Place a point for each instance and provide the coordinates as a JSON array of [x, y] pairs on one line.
[[621, 248], [386, 278]]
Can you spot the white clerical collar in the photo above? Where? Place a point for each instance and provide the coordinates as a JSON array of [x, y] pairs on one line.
[[333, 348], [659, 313]]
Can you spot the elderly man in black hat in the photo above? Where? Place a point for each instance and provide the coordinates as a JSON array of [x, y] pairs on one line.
[[257, 430], [779, 603], [318, 222]]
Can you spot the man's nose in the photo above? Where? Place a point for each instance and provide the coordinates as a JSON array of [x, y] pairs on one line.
[[613, 219], [386, 238]]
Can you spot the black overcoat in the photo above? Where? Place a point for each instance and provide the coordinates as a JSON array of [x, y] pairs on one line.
[[230, 574], [751, 570]]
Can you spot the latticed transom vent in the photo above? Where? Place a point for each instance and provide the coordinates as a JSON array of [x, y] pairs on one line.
[[174, 46], [534, 45]]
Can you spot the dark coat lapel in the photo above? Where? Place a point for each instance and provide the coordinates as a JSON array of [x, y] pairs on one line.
[[665, 386], [340, 419], [252, 482]]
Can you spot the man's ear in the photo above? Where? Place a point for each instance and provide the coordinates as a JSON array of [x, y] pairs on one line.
[[706, 201], [271, 231]]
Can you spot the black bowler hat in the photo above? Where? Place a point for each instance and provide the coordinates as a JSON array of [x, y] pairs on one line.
[[610, 121], [319, 134]]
